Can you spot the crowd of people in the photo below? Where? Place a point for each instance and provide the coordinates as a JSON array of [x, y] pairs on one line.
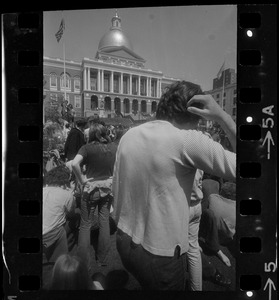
[[168, 187]]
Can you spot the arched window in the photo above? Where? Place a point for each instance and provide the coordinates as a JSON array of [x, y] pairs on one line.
[[143, 106], [53, 81], [117, 105], [107, 103], [135, 106], [94, 102], [126, 106], [65, 81]]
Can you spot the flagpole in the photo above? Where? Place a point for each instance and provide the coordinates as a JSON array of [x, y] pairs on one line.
[[64, 70], [64, 57]]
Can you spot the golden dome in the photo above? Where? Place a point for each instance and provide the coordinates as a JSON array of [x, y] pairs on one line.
[[115, 36]]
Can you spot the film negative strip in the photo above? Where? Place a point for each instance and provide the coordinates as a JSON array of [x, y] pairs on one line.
[[22, 114]]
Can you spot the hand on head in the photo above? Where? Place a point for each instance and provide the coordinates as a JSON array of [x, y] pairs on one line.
[[211, 109]]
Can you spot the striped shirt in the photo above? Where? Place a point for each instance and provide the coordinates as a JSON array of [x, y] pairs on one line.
[[153, 179]]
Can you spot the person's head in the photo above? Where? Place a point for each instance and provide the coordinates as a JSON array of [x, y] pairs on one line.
[[58, 176], [93, 119], [228, 190], [81, 123], [97, 133], [70, 273], [173, 104]]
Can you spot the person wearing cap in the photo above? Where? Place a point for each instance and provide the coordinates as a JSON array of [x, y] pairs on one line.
[[75, 139]]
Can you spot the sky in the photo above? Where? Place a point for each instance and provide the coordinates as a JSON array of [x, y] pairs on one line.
[[184, 42]]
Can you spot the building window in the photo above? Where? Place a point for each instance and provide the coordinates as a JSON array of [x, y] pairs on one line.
[[224, 102], [77, 83], [77, 102], [234, 101], [106, 82], [218, 96], [53, 81], [65, 81], [234, 111], [93, 84], [224, 94]]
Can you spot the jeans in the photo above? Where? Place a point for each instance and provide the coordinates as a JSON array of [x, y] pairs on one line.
[[153, 272], [193, 254], [87, 215]]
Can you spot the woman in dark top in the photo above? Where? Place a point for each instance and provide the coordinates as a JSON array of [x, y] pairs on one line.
[[99, 157]]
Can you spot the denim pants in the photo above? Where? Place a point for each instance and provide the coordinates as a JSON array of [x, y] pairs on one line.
[[153, 272], [193, 254], [87, 215]]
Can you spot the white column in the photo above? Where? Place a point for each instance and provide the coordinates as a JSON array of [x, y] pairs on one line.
[[130, 86], [88, 78], [157, 86], [160, 87], [121, 83], [111, 82], [84, 79], [148, 86], [139, 85], [98, 81], [102, 79]]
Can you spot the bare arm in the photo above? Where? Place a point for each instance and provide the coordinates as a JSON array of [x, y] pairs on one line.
[[76, 168], [212, 111]]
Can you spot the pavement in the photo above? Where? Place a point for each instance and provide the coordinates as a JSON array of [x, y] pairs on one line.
[[132, 284]]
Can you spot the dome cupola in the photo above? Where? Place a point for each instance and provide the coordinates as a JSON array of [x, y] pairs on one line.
[[115, 36]]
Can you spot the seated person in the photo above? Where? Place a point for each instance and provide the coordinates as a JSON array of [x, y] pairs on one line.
[[217, 225], [58, 202]]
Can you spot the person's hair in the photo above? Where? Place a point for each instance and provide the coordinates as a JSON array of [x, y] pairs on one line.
[[93, 119], [58, 176], [81, 122], [228, 190], [173, 103], [70, 273], [98, 133]]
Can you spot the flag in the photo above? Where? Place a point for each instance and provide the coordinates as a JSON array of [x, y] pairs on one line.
[[221, 71], [60, 32]]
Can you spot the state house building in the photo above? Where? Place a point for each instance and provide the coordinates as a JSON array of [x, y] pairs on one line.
[[114, 83]]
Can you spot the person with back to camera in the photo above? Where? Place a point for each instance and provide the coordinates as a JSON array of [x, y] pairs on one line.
[[99, 157], [71, 273], [58, 203], [153, 177]]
